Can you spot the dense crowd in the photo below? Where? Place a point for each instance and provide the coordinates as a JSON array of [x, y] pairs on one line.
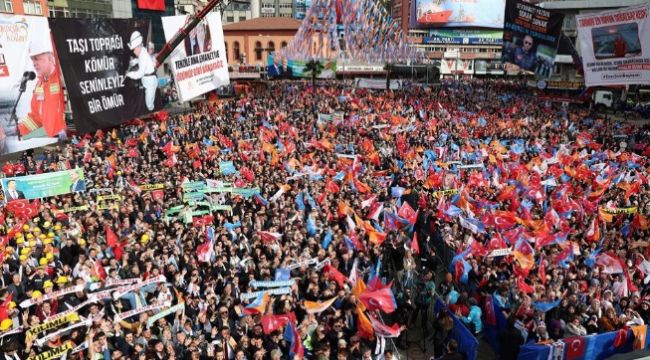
[[342, 210]]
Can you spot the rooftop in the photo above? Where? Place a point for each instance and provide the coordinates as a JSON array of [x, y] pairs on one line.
[[264, 23]]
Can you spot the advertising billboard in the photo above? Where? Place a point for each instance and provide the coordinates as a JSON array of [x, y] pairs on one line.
[[457, 13], [615, 46], [43, 185], [464, 37], [32, 102]]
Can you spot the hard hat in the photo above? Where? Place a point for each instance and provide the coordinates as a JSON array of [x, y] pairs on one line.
[[12, 305], [81, 242], [25, 227], [47, 224], [144, 238], [40, 45], [62, 280], [37, 229], [42, 236], [47, 241], [57, 227], [20, 241], [49, 257], [22, 257], [19, 235], [36, 294], [47, 284], [24, 251], [50, 235], [30, 236], [136, 40], [6, 324], [42, 261], [32, 243]]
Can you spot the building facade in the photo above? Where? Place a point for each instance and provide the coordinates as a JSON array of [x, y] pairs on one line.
[[250, 42], [24, 7], [400, 11], [277, 8], [154, 16]]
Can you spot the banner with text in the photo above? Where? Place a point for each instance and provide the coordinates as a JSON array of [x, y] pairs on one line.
[[44, 185], [31, 96], [615, 46], [109, 74], [199, 64], [530, 38]]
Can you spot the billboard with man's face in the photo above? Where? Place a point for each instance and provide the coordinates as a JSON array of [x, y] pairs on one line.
[[31, 94]]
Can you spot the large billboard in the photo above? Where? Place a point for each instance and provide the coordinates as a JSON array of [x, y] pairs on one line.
[[109, 72], [199, 64], [457, 13], [43, 185], [464, 37], [32, 103], [530, 38], [615, 46]]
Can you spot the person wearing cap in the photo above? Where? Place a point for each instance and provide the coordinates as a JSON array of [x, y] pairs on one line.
[[146, 71], [46, 115]]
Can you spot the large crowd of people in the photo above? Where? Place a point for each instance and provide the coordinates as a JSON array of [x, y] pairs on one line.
[[344, 215]]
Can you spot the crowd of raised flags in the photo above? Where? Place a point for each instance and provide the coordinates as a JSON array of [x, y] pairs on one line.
[[249, 228]]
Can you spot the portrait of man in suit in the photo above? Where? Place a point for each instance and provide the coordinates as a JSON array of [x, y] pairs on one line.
[[77, 183], [199, 40], [12, 193]]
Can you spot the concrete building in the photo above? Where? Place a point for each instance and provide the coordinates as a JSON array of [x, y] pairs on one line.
[[122, 9], [24, 7], [400, 11], [250, 42], [239, 11], [156, 23], [81, 9], [277, 8]]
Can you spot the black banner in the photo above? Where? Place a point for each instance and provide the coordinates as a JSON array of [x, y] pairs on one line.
[[530, 38], [109, 74]]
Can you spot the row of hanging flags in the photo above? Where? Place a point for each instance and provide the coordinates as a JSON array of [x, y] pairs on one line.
[[104, 62]]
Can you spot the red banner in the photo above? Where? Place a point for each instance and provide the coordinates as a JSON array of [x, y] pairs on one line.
[[151, 5]]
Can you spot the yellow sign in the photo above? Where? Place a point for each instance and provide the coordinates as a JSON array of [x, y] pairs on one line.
[[54, 353], [629, 210], [109, 197], [150, 187], [53, 324], [445, 192], [107, 207]]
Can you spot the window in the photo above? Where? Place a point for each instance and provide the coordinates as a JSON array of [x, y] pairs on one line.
[[225, 45], [271, 47], [236, 50], [283, 44], [230, 19], [6, 6], [32, 7], [258, 50], [242, 18]]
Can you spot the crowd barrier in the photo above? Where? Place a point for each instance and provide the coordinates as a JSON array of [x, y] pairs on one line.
[[590, 347], [467, 343]]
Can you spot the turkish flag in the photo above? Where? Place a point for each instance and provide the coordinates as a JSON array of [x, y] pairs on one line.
[[152, 5], [575, 347]]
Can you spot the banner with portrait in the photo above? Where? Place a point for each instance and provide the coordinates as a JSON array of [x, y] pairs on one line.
[[530, 38], [615, 46], [32, 103], [199, 64], [109, 73], [44, 185]]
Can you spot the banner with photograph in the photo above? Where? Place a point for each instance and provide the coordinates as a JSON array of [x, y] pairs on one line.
[[30, 85], [199, 64], [44, 185], [457, 13], [281, 67], [463, 37], [530, 38], [615, 46], [109, 74]]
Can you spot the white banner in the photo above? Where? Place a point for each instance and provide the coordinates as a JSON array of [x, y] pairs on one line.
[[615, 46], [379, 84], [199, 64]]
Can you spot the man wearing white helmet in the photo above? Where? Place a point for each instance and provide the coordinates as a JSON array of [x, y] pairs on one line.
[[47, 105], [146, 69]]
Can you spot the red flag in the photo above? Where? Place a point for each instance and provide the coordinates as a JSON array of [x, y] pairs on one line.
[[99, 270], [158, 5], [4, 307], [112, 242], [334, 274], [415, 247], [541, 272], [407, 212], [593, 231], [523, 287], [270, 323], [575, 347], [381, 299], [158, 194]]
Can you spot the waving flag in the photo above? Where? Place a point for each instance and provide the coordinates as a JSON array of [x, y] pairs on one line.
[[333, 273], [406, 212], [327, 239], [259, 305], [270, 323], [524, 253], [381, 299], [415, 247], [364, 326], [317, 307], [292, 337], [593, 231], [268, 236], [383, 330], [610, 263], [546, 306], [472, 224], [375, 210]]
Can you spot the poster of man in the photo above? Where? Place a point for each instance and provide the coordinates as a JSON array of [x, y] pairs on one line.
[[78, 183], [32, 103], [199, 40], [143, 69], [12, 192]]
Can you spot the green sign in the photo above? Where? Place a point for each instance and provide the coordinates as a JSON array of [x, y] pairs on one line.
[[44, 185]]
